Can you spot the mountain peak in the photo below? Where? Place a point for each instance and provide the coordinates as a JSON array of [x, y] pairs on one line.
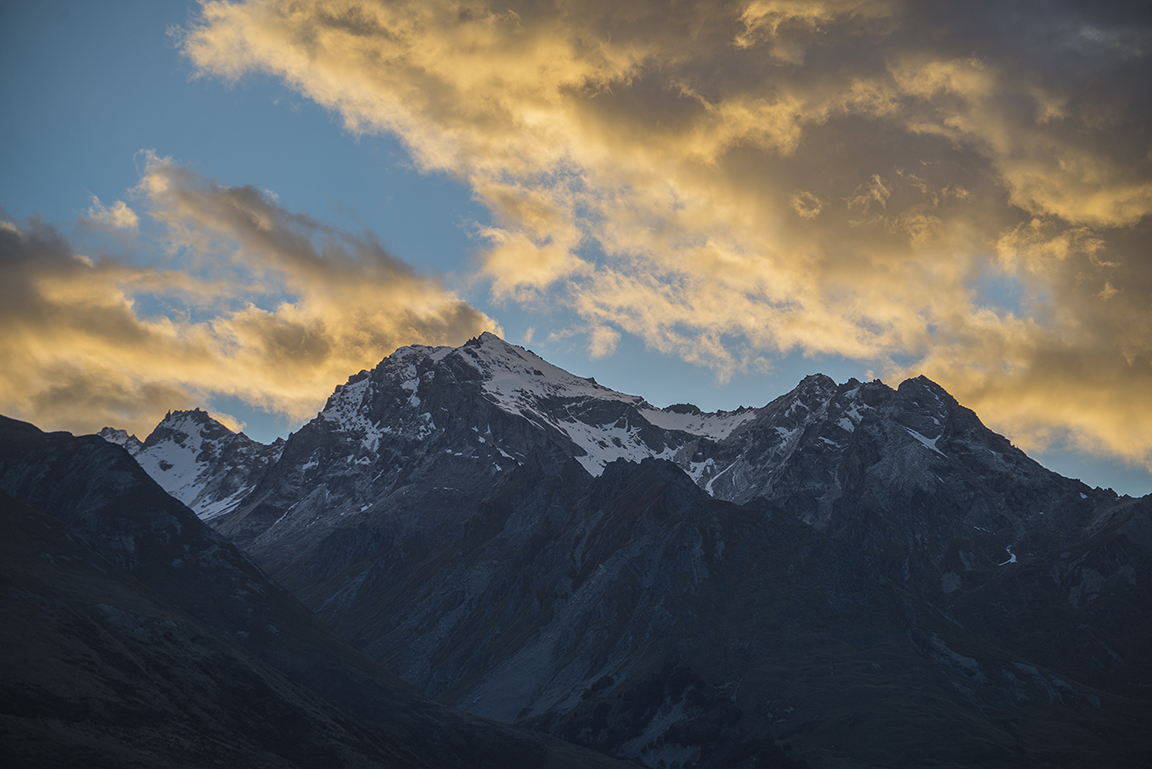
[[817, 380], [198, 460], [191, 424], [488, 338], [193, 415], [493, 345], [121, 438], [517, 378]]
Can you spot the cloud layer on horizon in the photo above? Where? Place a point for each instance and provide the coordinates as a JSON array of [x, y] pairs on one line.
[[962, 190], [243, 299]]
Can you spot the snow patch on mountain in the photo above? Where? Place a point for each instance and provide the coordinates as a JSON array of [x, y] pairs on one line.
[[927, 442], [212, 509], [604, 444], [177, 461], [520, 382], [714, 426]]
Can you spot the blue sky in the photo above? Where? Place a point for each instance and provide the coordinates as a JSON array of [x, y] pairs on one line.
[[766, 261]]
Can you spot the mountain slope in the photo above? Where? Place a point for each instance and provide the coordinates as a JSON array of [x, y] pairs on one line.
[[143, 638], [850, 570], [633, 613], [866, 574]]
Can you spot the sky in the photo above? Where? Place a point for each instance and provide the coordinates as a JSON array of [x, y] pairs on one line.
[[237, 205]]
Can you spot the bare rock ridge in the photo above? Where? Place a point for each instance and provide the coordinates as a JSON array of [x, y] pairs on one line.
[[134, 635], [863, 575]]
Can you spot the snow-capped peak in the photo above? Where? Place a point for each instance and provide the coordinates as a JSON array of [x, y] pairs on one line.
[[416, 392], [607, 425], [121, 438], [179, 451], [199, 461], [516, 377]]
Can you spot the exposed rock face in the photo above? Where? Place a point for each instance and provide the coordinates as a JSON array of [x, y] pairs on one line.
[[200, 461], [869, 575]]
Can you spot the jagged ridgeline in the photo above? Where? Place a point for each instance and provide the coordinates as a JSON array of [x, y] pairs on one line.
[[850, 575]]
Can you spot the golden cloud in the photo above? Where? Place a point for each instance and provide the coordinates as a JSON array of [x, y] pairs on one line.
[[272, 307], [831, 176], [118, 217]]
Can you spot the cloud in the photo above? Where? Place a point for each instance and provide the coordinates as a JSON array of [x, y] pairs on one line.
[[242, 298], [806, 205], [763, 19], [959, 190], [603, 341], [118, 217]]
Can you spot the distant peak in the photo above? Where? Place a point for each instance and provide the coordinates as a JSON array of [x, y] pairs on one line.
[[181, 420], [112, 435], [121, 438]]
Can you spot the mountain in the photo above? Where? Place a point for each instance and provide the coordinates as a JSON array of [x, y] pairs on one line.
[[199, 461], [863, 575], [134, 635], [908, 472], [468, 414], [123, 438]]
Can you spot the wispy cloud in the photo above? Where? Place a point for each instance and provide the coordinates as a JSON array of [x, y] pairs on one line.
[[733, 180], [244, 299], [117, 217]]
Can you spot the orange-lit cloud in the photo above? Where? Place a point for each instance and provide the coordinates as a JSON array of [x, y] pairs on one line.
[[272, 307], [117, 217], [961, 190]]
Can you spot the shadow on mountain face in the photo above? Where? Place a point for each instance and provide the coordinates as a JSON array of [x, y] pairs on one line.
[[634, 614], [132, 635], [757, 628]]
